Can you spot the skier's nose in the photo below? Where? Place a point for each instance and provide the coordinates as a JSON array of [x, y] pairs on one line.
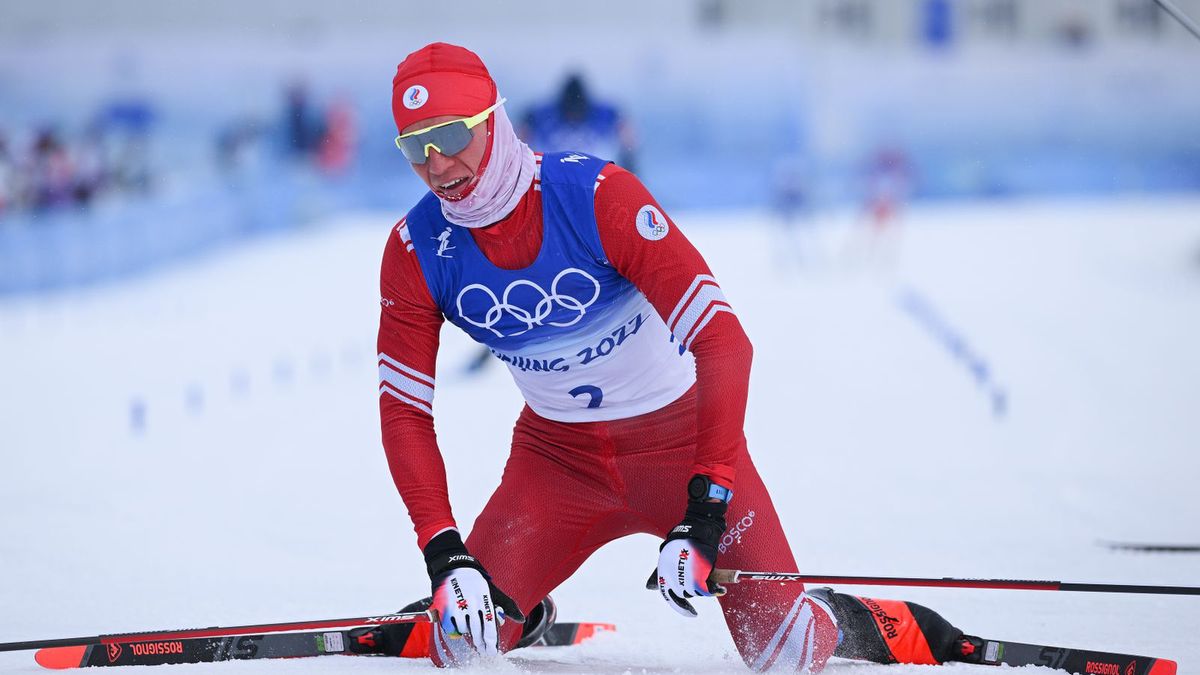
[[438, 163]]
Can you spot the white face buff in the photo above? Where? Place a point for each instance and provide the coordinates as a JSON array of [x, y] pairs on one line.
[[502, 182]]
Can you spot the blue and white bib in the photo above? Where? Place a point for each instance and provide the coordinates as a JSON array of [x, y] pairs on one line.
[[582, 343]]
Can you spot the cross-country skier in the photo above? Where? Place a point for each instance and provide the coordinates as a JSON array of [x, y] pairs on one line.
[[633, 365]]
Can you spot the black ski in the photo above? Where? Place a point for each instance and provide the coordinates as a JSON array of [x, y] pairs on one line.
[[358, 641], [989, 652], [199, 650], [1143, 547]]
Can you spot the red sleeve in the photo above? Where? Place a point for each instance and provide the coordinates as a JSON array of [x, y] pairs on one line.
[[409, 326], [673, 276]]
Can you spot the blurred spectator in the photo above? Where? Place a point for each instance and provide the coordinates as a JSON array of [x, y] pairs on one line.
[[790, 194], [51, 171], [302, 126], [575, 121], [712, 14], [1074, 31], [888, 179], [791, 203], [887, 182], [8, 176], [336, 151]]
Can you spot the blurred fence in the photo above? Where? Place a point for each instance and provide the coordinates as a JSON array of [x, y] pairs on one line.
[[66, 247]]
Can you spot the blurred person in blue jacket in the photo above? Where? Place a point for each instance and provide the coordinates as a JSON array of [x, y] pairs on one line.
[[576, 121], [302, 124]]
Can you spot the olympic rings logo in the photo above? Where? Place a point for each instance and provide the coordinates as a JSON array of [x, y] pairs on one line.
[[541, 311]]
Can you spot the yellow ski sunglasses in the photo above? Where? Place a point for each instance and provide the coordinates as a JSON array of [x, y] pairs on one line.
[[448, 138]]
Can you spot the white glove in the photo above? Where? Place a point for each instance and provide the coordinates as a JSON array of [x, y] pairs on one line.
[[463, 600]]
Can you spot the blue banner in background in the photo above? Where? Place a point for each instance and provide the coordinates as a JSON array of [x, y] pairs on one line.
[[938, 23]]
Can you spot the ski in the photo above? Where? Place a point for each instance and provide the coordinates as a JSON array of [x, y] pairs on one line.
[[566, 634], [198, 650], [358, 641], [222, 631], [1142, 547], [989, 652]]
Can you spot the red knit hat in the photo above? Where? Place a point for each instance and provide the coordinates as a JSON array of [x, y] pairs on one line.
[[440, 79]]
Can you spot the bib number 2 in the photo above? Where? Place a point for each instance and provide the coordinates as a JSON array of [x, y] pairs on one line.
[[589, 390]]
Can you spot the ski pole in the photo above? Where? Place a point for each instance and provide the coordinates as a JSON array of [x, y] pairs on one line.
[[217, 631], [723, 576], [1179, 15]]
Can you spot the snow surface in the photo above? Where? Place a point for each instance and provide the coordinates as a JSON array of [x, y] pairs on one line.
[[201, 447]]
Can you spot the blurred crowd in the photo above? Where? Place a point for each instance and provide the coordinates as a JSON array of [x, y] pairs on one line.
[[50, 167], [45, 168], [321, 137]]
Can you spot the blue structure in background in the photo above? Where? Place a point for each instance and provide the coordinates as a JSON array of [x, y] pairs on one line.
[[937, 27]]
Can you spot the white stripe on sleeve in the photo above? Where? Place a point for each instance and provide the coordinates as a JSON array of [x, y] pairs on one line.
[[405, 384], [702, 301]]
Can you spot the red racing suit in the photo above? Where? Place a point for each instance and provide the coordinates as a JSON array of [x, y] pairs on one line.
[[570, 487]]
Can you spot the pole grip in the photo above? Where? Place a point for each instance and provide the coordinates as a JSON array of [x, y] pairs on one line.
[[724, 576]]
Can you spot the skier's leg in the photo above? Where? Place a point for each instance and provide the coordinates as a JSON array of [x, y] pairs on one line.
[[883, 631], [890, 631], [776, 627]]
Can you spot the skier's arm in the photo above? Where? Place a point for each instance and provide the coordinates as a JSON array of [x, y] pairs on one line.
[[409, 325], [673, 276]]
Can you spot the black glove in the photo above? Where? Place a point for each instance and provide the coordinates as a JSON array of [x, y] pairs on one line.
[[464, 596], [688, 556]]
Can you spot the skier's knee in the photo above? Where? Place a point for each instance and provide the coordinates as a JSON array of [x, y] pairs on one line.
[[803, 641]]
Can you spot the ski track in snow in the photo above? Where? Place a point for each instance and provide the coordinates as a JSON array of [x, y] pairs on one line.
[[201, 447]]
